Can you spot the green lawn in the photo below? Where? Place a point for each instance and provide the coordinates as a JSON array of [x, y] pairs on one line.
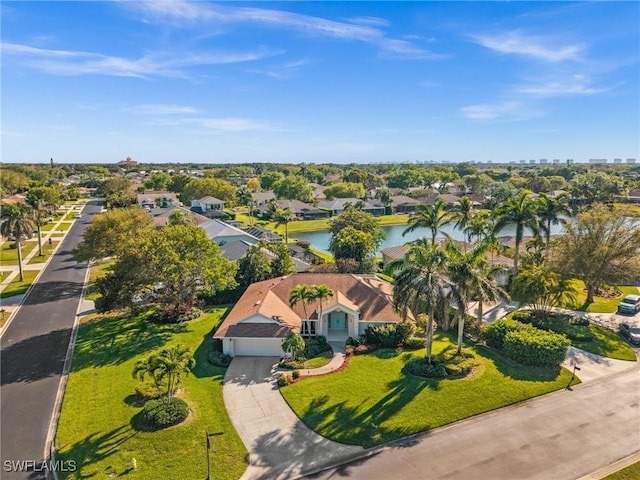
[[632, 472], [343, 405], [600, 304], [4, 316], [47, 250], [64, 226], [9, 256], [16, 287], [320, 361], [96, 271], [97, 427]]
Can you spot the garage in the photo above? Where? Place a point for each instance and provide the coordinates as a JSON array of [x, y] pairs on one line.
[[259, 347]]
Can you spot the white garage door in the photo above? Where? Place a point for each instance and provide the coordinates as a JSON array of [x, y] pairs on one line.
[[260, 347]]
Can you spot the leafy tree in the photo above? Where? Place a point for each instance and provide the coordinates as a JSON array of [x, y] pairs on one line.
[[600, 246], [157, 181], [114, 187], [185, 261], [48, 196], [269, 179], [499, 193], [404, 178], [418, 281], [521, 211], [254, 266], [596, 186], [114, 233], [427, 216], [282, 264], [253, 184], [181, 217], [384, 196], [350, 243], [168, 366], [345, 190], [363, 221], [17, 222], [293, 344], [541, 288], [178, 182], [202, 187], [40, 213], [293, 187], [12, 182], [550, 210]]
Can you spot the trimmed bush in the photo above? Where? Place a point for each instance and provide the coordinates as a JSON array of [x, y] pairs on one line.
[[495, 333], [535, 347], [315, 346], [295, 374], [159, 414], [219, 359], [415, 343], [578, 321], [389, 335], [283, 380], [456, 364], [420, 368], [289, 365], [149, 391]]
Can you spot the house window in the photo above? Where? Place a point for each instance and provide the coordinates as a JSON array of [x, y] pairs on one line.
[[309, 328]]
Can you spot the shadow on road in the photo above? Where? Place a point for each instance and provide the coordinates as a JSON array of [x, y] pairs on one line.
[[48, 292]]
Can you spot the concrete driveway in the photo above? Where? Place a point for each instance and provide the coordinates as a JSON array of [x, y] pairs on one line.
[[280, 446]]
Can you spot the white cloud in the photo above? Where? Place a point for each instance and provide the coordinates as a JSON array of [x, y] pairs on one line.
[[282, 72], [510, 110], [530, 46], [161, 109], [575, 85], [68, 62]]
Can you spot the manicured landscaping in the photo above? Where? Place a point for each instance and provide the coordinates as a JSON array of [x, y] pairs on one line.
[[47, 251], [96, 271], [632, 472], [4, 316], [16, 287], [64, 226], [9, 256], [600, 304], [357, 407], [320, 361], [99, 425]]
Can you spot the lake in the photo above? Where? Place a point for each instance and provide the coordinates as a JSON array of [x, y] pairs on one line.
[[320, 240]]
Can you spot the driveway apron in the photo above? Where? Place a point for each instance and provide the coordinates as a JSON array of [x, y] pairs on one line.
[[280, 445]]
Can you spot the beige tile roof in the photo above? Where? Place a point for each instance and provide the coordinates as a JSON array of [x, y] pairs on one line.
[[370, 296]]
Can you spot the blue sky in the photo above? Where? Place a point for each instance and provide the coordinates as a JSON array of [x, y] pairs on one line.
[[341, 82]]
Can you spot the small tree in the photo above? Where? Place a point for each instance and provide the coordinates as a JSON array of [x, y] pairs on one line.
[[17, 221], [293, 344]]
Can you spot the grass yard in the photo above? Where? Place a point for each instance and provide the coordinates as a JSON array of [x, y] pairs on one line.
[[47, 250], [48, 227], [97, 423], [9, 256], [4, 316], [600, 304], [16, 287], [96, 271], [632, 472], [64, 226], [320, 361], [343, 405]]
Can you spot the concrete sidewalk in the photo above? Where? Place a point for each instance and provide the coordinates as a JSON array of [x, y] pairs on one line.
[[280, 446]]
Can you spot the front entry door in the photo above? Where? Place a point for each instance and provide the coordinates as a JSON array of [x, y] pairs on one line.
[[338, 321]]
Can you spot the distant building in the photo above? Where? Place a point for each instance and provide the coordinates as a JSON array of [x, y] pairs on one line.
[[532, 162], [523, 161], [128, 162], [570, 161], [617, 161], [597, 161], [631, 161], [556, 161], [543, 161]]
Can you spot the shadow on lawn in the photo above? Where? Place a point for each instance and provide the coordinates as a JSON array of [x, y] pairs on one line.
[[95, 448], [517, 371], [114, 341]]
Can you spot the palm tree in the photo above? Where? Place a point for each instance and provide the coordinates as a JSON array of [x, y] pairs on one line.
[[522, 211], [463, 214], [418, 280], [321, 292], [301, 294], [384, 196], [427, 216], [549, 211], [244, 197], [40, 213], [17, 222], [283, 217]]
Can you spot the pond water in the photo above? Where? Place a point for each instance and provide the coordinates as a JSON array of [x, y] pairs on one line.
[[320, 240]]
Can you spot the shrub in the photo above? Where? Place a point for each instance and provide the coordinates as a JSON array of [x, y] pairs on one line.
[[404, 331], [295, 374], [456, 364], [219, 359], [315, 346], [159, 414], [494, 333], [578, 321], [290, 365], [524, 316], [415, 343], [283, 380], [420, 368], [364, 348], [389, 335], [149, 391], [535, 347]]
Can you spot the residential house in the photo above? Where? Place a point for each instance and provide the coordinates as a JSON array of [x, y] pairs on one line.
[[161, 215], [223, 233], [262, 198], [263, 318], [263, 234], [338, 205], [403, 204], [209, 207], [153, 199], [234, 251], [300, 210]]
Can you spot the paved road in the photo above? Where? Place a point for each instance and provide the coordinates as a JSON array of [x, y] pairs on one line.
[[561, 436], [33, 350]]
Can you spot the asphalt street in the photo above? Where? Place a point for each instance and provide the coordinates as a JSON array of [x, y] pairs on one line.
[[561, 436], [33, 350]]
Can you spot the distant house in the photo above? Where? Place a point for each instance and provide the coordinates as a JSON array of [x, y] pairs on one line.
[[263, 234], [153, 199], [223, 233], [449, 200], [338, 205], [318, 192], [128, 162], [234, 251], [209, 207], [263, 318], [262, 198], [161, 215], [403, 204], [300, 210]]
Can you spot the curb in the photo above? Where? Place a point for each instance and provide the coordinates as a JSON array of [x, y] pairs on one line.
[[614, 467]]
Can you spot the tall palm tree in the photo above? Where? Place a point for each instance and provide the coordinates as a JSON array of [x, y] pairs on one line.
[[321, 293], [427, 216], [301, 294], [17, 222], [550, 210], [40, 213], [244, 197], [418, 281], [283, 217], [463, 214], [522, 211]]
